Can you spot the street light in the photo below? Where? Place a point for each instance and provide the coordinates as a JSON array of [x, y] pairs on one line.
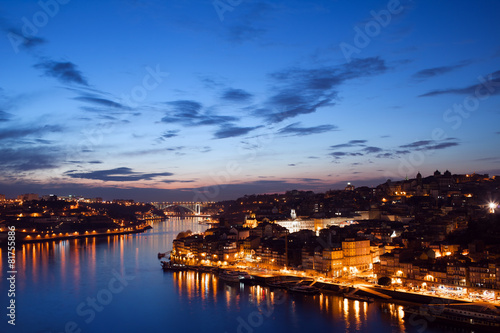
[[492, 206]]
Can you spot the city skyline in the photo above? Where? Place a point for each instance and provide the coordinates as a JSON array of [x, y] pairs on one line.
[[216, 99]]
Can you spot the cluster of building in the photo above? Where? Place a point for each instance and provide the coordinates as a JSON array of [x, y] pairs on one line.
[[446, 268], [50, 197], [38, 218], [439, 233], [271, 246]]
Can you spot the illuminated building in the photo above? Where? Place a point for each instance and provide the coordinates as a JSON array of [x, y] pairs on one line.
[[357, 255]]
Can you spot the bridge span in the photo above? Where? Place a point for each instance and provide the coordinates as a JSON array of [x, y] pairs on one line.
[[193, 207]]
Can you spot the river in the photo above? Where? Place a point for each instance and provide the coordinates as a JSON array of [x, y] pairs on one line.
[[115, 284]]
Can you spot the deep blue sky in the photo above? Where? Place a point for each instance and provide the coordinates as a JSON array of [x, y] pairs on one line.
[[151, 99]]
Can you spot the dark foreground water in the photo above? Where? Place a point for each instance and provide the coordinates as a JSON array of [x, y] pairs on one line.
[[115, 284]]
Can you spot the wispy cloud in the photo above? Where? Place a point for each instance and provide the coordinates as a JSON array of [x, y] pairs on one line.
[[157, 151], [101, 102], [192, 113], [417, 144], [492, 78], [17, 133], [385, 155], [233, 131], [65, 72], [4, 116], [211, 82], [236, 95], [359, 148], [436, 71], [240, 33], [30, 158], [302, 91], [352, 143], [430, 145], [339, 154], [170, 181], [169, 134], [17, 38], [372, 150], [247, 26], [296, 130], [122, 174]]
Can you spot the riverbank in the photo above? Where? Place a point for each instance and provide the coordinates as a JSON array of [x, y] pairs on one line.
[[380, 293], [34, 237]]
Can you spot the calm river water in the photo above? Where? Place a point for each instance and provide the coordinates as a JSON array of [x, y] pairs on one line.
[[115, 284]]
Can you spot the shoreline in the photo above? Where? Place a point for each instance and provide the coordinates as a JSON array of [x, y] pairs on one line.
[[330, 288], [26, 240]]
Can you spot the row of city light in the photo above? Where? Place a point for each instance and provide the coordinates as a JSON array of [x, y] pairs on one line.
[[76, 233]]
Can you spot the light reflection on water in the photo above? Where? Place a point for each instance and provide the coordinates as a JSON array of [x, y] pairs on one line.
[[354, 315], [54, 277]]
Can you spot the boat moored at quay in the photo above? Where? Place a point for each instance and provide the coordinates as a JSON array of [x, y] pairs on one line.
[[233, 276], [170, 266], [484, 316], [304, 289], [356, 297]]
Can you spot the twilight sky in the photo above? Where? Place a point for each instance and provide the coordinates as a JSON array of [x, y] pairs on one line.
[[210, 100]]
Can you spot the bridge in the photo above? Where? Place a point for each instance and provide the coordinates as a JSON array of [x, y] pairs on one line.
[[193, 207]]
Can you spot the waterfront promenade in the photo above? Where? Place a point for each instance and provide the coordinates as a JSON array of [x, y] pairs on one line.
[[24, 236], [350, 285]]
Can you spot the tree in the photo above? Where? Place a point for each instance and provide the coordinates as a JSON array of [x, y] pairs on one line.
[[384, 281]]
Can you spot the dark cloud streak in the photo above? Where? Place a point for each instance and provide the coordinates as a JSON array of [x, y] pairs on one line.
[[93, 99], [29, 159], [492, 82], [295, 130], [66, 72], [303, 91], [436, 71], [26, 42], [4, 116], [122, 174], [233, 131], [236, 95], [352, 143], [19, 132], [191, 113]]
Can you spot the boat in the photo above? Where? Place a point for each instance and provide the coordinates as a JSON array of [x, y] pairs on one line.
[[282, 284], [478, 315], [170, 266], [357, 297], [161, 255], [248, 280], [233, 276], [208, 269], [304, 289]]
